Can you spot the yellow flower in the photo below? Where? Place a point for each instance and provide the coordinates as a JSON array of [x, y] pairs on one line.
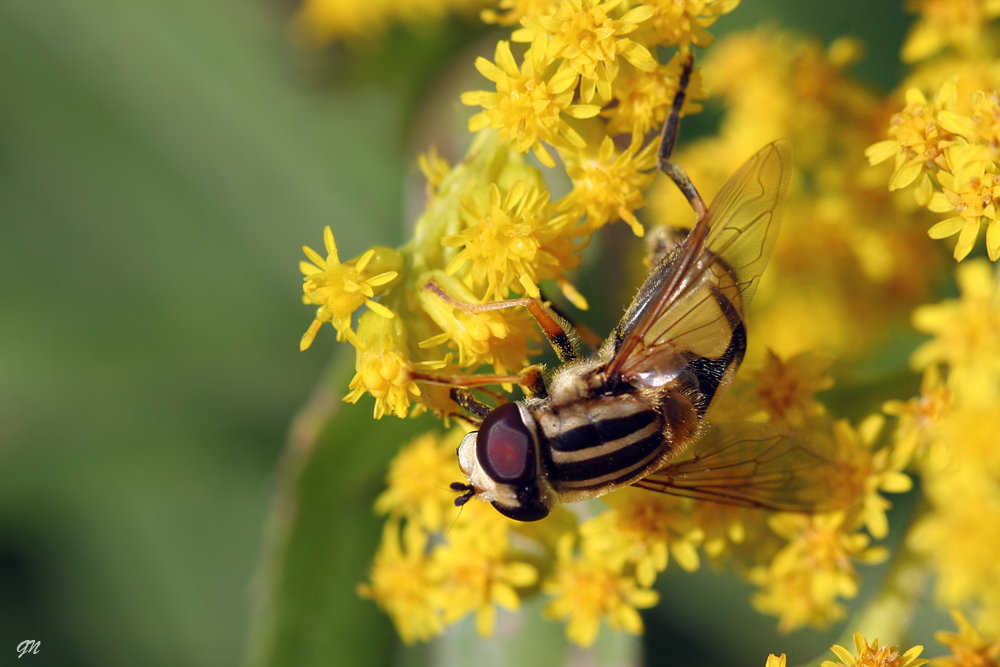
[[642, 528], [514, 243], [515, 10], [340, 289], [804, 580], [968, 648], [528, 105], [609, 185], [976, 202], [418, 480], [786, 390], [920, 139], [498, 338], [966, 331], [873, 655], [644, 98], [776, 661], [402, 585], [587, 589], [434, 168], [917, 430], [476, 571], [961, 535], [583, 34], [683, 22], [945, 23], [383, 366]]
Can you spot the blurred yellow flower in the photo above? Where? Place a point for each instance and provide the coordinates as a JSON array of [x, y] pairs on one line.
[[966, 331], [401, 583], [969, 648], [418, 479], [587, 589], [641, 529]]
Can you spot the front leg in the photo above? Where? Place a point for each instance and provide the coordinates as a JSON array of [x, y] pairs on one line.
[[548, 321]]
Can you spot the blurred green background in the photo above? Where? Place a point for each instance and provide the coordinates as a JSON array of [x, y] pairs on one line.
[[161, 164]]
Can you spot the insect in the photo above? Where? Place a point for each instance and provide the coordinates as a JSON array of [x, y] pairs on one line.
[[634, 413]]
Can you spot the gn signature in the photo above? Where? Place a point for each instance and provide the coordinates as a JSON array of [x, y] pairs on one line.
[[28, 646]]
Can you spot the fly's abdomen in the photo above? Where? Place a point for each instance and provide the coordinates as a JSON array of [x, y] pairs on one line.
[[598, 443]]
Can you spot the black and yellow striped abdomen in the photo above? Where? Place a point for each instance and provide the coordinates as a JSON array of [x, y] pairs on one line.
[[594, 444]]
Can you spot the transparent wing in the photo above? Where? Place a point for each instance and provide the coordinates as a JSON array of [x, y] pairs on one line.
[[759, 465], [693, 301]]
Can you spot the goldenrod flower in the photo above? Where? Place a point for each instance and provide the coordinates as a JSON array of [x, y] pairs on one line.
[[976, 201], [401, 584], [873, 655], [969, 648], [644, 98], [434, 168], [966, 331], [919, 418], [515, 243], [961, 536], [948, 23], [919, 140], [587, 589], [882, 469], [515, 10], [499, 337], [383, 365], [803, 581], [582, 33], [476, 571], [683, 22], [340, 289], [642, 528], [786, 390], [609, 185], [418, 480], [528, 105]]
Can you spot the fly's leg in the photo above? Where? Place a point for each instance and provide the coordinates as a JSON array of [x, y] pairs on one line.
[[468, 402], [547, 320], [531, 379], [669, 137]]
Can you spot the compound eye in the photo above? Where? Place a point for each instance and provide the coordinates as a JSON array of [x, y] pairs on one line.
[[505, 447]]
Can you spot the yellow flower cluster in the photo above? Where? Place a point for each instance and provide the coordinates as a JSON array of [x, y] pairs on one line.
[[944, 144], [491, 230], [951, 427], [583, 87], [947, 147], [425, 586], [319, 22]]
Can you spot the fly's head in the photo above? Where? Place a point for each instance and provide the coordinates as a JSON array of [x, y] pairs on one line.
[[501, 464]]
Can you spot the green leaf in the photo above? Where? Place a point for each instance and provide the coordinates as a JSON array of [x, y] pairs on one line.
[[323, 533]]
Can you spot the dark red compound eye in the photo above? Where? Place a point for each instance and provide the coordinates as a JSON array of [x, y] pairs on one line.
[[505, 446]]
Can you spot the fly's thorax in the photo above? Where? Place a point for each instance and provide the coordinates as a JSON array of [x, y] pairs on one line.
[[501, 462]]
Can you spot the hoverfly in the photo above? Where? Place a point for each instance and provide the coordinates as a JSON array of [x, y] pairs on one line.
[[633, 414]]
